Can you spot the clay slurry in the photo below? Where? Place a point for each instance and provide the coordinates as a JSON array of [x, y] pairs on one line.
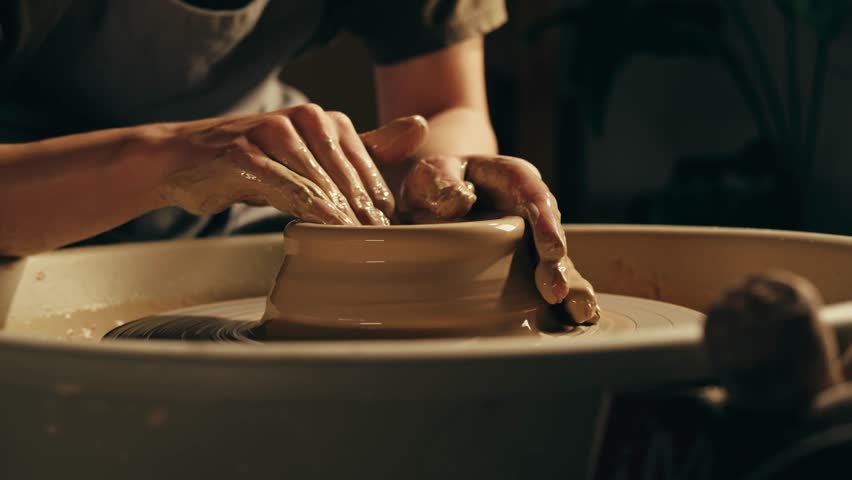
[[236, 321]]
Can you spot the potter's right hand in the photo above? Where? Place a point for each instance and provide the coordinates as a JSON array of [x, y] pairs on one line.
[[301, 160], [441, 188]]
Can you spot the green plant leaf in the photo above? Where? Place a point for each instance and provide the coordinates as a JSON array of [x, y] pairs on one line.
[[594, 77], [608, 33], [824, 16], [785, 7], [674, 30], [598, 59]]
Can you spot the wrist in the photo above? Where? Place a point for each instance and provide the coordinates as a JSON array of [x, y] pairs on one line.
[[146, 149]]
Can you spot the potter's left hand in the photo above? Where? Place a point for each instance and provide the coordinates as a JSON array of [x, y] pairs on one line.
[[444, 188]]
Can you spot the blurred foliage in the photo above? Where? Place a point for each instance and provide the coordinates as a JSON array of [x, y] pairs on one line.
[[609, 33], [825, 17]]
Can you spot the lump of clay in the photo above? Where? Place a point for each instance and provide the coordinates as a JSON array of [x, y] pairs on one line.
[[765, 341]]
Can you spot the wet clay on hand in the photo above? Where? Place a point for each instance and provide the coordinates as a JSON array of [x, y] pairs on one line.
[[580, 302], [302, 160], [312, 164], [444, 188], [439, 280]]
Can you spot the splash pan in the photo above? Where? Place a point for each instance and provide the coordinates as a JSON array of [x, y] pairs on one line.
[[500, 407]]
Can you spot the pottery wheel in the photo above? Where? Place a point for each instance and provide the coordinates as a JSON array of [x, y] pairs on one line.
[[238, 320]]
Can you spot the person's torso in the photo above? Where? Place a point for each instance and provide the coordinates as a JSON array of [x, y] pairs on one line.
[[112, 63]]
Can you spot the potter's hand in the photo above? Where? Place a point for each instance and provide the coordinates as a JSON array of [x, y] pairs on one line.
[[301, 160], [444, 188]]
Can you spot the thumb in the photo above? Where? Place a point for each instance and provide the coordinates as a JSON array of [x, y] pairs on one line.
[[397, 140], [435, 191]]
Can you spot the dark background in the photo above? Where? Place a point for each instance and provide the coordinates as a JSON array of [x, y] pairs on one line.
[[675, 144]]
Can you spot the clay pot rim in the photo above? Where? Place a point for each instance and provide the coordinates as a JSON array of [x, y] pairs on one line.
[[296, 226], [458, 237]]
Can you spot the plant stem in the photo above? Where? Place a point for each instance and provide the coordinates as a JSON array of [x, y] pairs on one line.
[[796, 133], [817, 93], [734, 65], [773, 100], [750, 95]]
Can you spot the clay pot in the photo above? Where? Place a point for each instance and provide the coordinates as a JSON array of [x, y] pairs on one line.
[[413, 280]]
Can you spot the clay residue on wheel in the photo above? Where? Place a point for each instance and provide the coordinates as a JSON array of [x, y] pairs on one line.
[[189, 328]]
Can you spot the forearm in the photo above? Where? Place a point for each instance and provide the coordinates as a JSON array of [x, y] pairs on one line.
[[448, 88], [460, 131], [66, 189]]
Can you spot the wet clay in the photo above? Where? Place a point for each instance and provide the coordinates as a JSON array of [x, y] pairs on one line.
[[189, 328], [467, 279], [445, 188], [301, 160], [462, 278], [581, 302]]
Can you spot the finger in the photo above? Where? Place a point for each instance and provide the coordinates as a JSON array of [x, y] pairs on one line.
[[321, 136], [436, 186], [580, 302], [515, 187], [276, 135], [254, 201], [360, 159], [286, 190], [397, 140]]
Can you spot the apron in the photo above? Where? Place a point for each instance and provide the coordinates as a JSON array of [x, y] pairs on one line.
[[116, 63]]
